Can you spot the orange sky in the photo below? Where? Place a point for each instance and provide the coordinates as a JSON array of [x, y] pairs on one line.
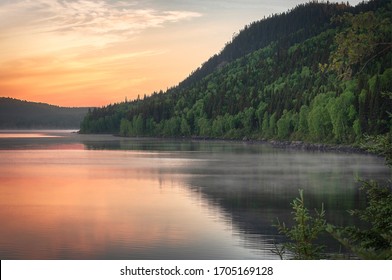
[[92, 53]]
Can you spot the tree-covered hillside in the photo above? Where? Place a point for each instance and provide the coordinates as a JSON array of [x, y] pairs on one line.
[[321, 72], [16, 114]]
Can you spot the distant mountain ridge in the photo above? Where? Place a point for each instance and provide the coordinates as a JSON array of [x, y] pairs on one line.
[[19, 114]]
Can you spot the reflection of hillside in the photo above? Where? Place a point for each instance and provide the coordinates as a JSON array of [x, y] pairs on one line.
[[255, 189], [166, 145], [255, 184], [173, 199]]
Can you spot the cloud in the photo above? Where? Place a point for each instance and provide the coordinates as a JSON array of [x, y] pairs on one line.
[[83, 49], [112, 20]]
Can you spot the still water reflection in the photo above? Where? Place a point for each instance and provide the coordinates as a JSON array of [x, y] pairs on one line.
[[100, 197]]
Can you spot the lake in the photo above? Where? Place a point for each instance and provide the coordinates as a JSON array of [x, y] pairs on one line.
[[70, 196]]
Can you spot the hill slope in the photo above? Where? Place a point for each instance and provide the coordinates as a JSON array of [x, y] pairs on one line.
[[16, 113], [299, 24], [317, 73]]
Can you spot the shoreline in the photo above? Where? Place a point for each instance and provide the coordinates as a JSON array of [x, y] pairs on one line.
[[304, 146], [294, 145]]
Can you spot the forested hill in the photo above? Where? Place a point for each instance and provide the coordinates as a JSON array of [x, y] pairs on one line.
[[18, 114], [321, 72], [297, 25]]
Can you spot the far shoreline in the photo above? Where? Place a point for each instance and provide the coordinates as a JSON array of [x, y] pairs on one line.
[[281, 144]]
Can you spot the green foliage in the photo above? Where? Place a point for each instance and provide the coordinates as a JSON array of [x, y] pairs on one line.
[[359, 41], [276, 89], [265, 125], [342, 114], [284, 125], [272, 125], [185, 128], [371, 240], [125, 127], [204, 127], [319, 120], [304, 233], [381, 145], [303, 127], [374, 239]]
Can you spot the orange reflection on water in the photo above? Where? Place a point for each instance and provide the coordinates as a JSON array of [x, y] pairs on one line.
[[27, 135], [74, 205], [67, 146]]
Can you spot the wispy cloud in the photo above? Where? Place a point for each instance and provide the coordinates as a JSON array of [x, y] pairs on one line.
[[112, 20], [81, 50]]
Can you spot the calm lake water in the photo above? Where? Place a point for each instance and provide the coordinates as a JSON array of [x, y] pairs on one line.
[[70, 196]]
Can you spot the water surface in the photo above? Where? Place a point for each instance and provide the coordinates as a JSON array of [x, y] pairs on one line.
[[70, 196]]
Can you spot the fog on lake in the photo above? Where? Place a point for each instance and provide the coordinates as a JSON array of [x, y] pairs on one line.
[[70, 196]]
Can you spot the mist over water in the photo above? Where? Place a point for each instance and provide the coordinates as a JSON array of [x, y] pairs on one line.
[[70, 196]]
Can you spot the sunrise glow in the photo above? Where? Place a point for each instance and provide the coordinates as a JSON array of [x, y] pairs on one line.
[[92, 53]]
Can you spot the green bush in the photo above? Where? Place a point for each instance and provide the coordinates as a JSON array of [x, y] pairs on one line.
[[304, 233]]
